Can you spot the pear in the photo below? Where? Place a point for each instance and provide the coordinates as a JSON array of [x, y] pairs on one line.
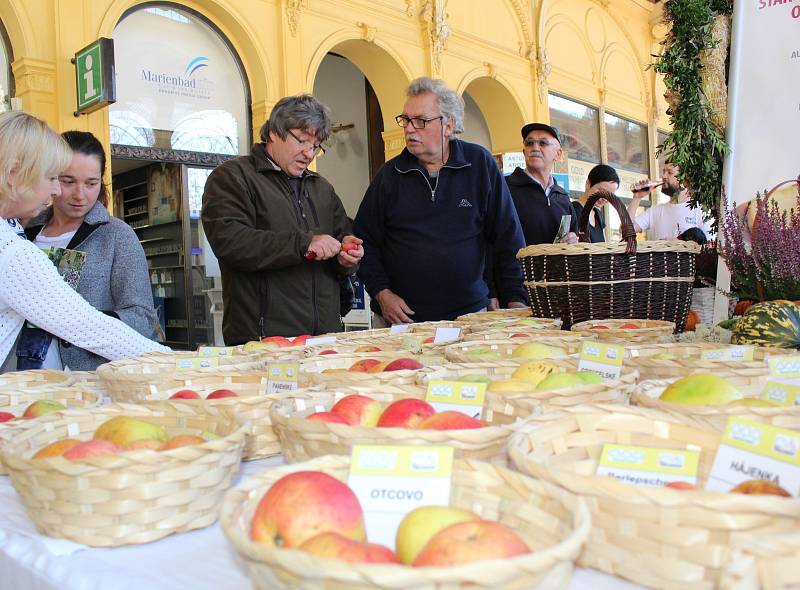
[[123, 430], [701, 389]]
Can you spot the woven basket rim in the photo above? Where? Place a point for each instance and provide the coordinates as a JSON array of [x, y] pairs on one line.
[[582, 248], [538, 560]]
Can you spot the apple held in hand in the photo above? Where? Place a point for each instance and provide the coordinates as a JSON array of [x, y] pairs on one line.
[[348, 247], [220, 393], [419, 525], [304, 504], [405, 413], [327, 417], [42, 407], [358, 410], [185, 394], [473, 540], [335, 546], [450, 420]]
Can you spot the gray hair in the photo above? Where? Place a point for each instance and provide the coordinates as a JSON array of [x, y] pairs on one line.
[[298, 112], [451, 105]]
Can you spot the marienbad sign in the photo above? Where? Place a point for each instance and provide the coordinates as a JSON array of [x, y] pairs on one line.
[[94, 76]]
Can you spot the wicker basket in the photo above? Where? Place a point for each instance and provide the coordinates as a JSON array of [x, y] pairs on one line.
[[502, 350], [657, 537], [251, 406], [553, 522], [129, 498], [646, 394], [688, 362], [303, 439], [763, 562], [524, 404], [331, 370], [498, 314], [27, 380], [579, 282], [141, 378], [15, 402], [648, 332]]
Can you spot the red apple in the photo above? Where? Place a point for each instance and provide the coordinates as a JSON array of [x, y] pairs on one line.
[[185, 394], [473, 540], [349, 247], [328, 351], [520, 335], [599, 328], [280, 341], [450, 420], [681, 485], [406, 413], [303, 504], [363, 365], [327, 417], [429, 340], [6, 416], [629, 326], [404, 364], [760, 486], [92, 448], [218, 393], [335, 546], [300, 340], [379, 368], [57, 448], [367, 348], [42, 407], [358, 410]]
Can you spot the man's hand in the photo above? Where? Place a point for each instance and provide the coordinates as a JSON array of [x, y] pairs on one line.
[[324, 247], [570, 238], [351, 252], [494, 304], [516, 304], [393, 308]]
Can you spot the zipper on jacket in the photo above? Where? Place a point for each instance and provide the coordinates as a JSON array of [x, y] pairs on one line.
[[425, 176], [315, 325], [263, 308]]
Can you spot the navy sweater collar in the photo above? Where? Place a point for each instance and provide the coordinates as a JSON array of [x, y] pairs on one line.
[[406, 161]]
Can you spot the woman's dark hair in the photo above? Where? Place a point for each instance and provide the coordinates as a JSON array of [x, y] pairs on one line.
[[83, 142], [602, 173]]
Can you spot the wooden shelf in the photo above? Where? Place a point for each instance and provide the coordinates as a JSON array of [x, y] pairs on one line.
[[135, 199], [156, 225]]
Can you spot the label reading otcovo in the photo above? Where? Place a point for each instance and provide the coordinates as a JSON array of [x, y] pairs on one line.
[[282, 377], [390, 481]]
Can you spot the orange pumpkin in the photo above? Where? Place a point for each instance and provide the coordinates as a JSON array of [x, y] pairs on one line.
[[742, 306], [692, 319]]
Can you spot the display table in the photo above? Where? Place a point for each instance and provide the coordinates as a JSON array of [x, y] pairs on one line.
[[200, 560]]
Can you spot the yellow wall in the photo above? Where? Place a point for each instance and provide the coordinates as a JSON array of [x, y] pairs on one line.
[[507, 53]]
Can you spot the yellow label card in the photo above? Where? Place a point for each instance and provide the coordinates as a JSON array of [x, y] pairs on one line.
[[193, 363], [462, 396], [784, 394], [216, 350], [648, 466], [602, 358], [729, 353], [784, 367], [282, 377], [752, 450], [390, 481]]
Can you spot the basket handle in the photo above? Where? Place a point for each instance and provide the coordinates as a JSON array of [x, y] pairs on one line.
[[628, 231]]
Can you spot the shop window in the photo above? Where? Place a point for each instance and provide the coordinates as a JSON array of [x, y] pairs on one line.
[[177, 85], [579, 127], [627, 144]]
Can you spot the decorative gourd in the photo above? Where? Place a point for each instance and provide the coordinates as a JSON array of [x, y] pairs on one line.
[[692, 319], [772, 323]]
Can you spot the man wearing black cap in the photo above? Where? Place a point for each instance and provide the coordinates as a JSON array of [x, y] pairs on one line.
[[539, 199]]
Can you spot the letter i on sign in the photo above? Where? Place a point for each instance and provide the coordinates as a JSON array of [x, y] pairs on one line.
[[88, 76]]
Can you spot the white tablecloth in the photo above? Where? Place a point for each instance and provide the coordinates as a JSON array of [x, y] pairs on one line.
[[200, 560]]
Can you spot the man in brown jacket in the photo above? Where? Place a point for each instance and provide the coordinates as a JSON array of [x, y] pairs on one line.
[[280, 232]]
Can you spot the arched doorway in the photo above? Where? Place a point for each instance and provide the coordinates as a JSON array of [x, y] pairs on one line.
[[6, 77], [183, 107], [500, 111]]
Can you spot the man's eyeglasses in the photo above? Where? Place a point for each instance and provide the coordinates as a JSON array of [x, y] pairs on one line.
[[306, 145], [540, 142], [416, 122]]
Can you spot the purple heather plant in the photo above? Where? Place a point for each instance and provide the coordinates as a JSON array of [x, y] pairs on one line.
[[771, 258]]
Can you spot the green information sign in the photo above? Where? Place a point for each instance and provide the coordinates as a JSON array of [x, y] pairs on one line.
[[94, 76]]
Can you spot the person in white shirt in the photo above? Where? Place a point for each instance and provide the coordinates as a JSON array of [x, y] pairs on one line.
[[667, 221], [31, 156]]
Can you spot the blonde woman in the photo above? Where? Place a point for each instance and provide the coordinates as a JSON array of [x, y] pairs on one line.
[[31, 157]]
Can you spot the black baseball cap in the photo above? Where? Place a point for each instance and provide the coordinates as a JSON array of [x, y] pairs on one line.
[[540, 127]]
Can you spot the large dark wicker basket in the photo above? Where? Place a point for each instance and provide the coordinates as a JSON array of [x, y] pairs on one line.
[[578, 282]]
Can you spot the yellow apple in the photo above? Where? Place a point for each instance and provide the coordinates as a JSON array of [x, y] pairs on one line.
[[123, 430], [537, 350], [701, 389], [419, 525], [561, 380], [535, 371]]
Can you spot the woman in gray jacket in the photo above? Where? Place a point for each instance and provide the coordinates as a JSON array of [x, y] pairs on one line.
[[114, 279]]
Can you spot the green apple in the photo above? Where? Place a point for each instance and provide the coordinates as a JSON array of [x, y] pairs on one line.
[[475, 378], [701, 389], [560, 381], [589, 377]]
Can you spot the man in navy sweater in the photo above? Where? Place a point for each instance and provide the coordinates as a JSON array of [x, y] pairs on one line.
[[429, 216]]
